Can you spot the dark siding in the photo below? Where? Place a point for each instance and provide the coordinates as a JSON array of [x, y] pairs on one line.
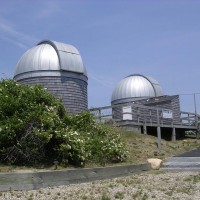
[[150, 115], [72, 91]]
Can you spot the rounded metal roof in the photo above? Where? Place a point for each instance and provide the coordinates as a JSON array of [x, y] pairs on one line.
[[137, 86], [50, 56]]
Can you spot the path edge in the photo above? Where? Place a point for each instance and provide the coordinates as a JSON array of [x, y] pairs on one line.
[[41, 179]]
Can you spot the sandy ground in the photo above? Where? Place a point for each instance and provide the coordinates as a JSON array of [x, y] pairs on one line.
[[149, 185]]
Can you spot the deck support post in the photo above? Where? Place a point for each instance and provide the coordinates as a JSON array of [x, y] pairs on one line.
[[159, 137], [145, 129], [173, 134], [158, 130]]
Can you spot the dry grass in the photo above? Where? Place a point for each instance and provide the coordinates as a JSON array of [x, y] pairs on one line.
[[141, 147]]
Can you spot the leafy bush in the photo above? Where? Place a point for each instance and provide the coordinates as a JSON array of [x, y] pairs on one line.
[[100, 143], [29, 117], [35, 128], [82, 140]]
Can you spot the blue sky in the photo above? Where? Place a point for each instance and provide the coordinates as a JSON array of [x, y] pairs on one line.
[[116, 38]]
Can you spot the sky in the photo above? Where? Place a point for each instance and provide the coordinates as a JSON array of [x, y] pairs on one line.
[[116, 38]]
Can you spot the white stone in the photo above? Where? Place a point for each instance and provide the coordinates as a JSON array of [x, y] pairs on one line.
[[155, 163]]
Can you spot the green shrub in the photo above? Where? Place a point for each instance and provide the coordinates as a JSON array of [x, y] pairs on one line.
[[99, 142], [29, 116], [35, 128]]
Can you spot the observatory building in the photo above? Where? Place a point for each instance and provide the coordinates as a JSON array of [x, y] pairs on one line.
[[137, 97], [59, 68], [139, 103]]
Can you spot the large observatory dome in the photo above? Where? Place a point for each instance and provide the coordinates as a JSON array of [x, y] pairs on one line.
[[49, 58], [59, 68], [136, 87]]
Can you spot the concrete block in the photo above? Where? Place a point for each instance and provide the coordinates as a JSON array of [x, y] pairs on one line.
[[34, 180]]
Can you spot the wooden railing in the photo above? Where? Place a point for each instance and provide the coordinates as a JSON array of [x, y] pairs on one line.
[[141, 115]]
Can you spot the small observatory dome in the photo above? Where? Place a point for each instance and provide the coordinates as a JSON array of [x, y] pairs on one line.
[[135, 87], [59, 68]]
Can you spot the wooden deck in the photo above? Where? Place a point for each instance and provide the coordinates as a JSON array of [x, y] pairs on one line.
[[144, 118]]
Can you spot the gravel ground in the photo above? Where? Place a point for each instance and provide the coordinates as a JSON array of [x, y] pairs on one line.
[[150, 185]]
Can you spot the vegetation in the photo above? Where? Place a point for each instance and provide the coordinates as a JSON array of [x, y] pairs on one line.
[[141, 147], [35, 129]]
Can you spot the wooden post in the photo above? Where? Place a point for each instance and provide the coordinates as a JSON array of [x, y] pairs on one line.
[[150, 118], [188, 118], [198, 130], [195, 110], [159, 137], [145, 127], [173, 134], [99, 115], [196, 117], [158, 130]]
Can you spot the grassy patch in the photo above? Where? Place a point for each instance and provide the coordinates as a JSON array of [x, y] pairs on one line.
[[193, 178], [141, 147], [184, 190], [138, 194], [119, 195], [105, 197]]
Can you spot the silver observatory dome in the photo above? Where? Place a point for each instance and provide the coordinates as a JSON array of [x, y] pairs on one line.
[[59, 68], [49, 58], [136, 87]]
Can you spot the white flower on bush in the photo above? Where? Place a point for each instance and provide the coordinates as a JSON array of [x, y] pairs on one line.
[[82, 158], [74, 133], [20, 120]]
